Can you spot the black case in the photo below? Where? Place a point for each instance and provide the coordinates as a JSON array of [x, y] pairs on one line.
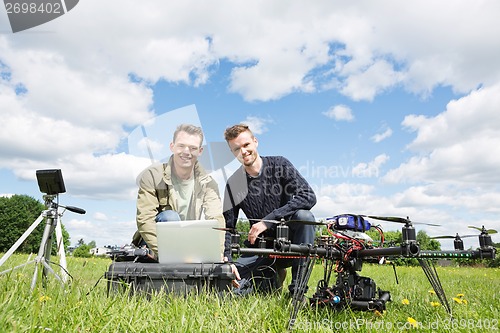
[[171, 278]]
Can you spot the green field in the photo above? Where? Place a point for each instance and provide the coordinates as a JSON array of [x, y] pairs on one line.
[[83, 305]]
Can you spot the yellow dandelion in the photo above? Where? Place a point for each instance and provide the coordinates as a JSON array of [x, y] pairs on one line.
[[412, 322], [378, 313], [457, 300], [465, 301], [460, 295], [44, 298], [405, 301], [435, 304], [432, 292]]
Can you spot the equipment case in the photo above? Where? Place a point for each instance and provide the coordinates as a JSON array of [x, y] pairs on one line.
[[171, 278]]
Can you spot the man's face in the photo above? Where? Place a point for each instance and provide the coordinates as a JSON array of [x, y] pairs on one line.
[[186, 149], [244, 148]]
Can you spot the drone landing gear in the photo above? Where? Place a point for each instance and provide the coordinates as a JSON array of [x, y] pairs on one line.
[[304, 273], [432, 275]]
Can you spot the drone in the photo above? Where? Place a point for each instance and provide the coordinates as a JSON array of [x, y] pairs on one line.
[[344, 250]]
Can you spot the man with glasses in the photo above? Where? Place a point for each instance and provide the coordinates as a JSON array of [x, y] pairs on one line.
[[177, 190]]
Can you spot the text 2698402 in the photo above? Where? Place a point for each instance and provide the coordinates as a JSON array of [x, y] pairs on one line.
[[33, 8]]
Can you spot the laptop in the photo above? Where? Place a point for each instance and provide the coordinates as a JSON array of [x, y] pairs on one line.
[[193, 241]]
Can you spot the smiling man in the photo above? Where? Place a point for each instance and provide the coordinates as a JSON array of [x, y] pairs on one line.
[[177, 190], [266, 189]]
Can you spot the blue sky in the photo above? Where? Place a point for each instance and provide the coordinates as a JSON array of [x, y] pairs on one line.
[[387, 108]]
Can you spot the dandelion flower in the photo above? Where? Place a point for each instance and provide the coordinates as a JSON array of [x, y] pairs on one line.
[[435, 304], [44, 298], [465, 301], [458, 300], [432, 292], [412, 322], [460, 295], [405, 301]]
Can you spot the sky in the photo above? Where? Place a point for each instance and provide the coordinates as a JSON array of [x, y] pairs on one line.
[[387, 108]]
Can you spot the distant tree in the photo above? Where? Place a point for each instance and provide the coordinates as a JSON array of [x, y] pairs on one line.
[[427, 243], [391, 238], [92, 244], [17, 214], [82, 251]]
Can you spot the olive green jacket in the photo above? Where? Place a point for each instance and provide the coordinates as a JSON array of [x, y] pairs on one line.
[[156, 194]]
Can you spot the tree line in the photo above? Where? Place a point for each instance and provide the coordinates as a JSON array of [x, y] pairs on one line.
[[17, 214]]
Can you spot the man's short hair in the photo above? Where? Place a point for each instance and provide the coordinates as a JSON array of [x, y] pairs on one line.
[[232, 132], [189, 129]]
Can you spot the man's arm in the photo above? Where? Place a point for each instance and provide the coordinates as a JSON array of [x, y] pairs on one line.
[[147, 209], [294, 187]]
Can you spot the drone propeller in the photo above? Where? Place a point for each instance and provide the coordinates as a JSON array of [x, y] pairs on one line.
[[487, 231], [398, 220], [453, 237], [291, 221]]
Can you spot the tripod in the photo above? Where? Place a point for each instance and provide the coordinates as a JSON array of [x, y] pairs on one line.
[[51, 217]]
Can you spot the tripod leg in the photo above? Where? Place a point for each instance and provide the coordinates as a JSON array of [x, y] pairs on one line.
[[60, 251], [21, 240], [48, 246], [45, 248]]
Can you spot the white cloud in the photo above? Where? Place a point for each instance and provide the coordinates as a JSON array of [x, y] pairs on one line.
[[100, 216], [366, 84], [279, 48], [458, 146], [151, 144], [370, 169], [102, 232], [382, 136], [482, 201], [340, 112], [420, 204], [109, 176], [256, 124]]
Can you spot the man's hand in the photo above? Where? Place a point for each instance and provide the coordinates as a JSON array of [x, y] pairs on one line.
[[235, 282], [255, 231], [234, 270]]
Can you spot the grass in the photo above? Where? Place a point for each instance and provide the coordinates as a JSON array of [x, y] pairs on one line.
[[84, 306]]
